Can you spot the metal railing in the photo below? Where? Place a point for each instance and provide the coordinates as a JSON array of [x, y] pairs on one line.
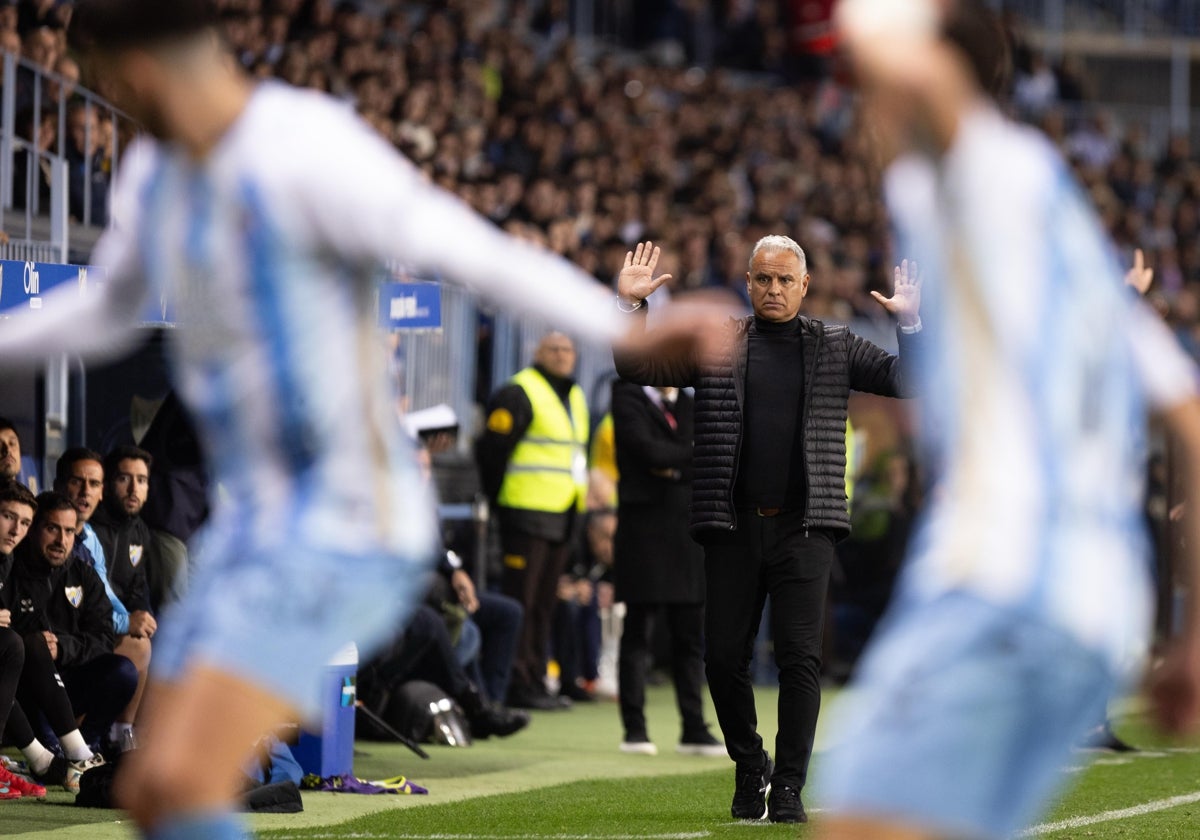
[[64, 136], [1133, 18], [438, 366]]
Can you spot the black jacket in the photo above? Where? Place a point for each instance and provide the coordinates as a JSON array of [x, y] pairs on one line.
[[837, 362], [654, 559], [69, 601], [126, 542]]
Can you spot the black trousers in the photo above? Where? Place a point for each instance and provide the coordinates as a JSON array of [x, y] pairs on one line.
[[773, 556], [99, 690], [685, 623], [40, 694], [12, 661], [423, 652], [532, 566]]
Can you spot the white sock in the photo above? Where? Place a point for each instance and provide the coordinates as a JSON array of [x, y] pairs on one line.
[[117, 730], [38, 756], [74, 746]]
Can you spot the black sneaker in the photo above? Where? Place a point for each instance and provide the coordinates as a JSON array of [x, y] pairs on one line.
[[1103, 738], [497, 720], [750, 789], [527, 698], [784, 805]]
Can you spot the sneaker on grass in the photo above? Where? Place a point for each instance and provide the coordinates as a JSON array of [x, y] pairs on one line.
[[76, 769], [750, 789], [642, 746], [784, 805], [701, 743], [27, 788]]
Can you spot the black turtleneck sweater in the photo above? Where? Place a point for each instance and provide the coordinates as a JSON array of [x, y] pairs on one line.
[[771, 468]]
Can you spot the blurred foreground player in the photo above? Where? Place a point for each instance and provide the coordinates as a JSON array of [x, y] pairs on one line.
[[263, 212], [1026, 596]]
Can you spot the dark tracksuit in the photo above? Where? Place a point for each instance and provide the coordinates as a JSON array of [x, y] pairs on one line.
[[70, 601], [127, 546]]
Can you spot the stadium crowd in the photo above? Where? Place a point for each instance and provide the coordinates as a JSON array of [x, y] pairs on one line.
[[586, 153]]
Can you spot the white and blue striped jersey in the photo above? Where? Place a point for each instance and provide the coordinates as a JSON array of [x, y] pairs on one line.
[[1037, 374], [269, 249]]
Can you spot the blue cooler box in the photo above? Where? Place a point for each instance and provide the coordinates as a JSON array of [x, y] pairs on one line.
[[330, 752]]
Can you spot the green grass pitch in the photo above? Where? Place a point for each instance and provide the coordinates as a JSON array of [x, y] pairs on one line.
[[563, 778]]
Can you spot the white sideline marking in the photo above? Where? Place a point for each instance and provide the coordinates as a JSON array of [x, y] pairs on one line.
[[683, 835], [1109, 816]]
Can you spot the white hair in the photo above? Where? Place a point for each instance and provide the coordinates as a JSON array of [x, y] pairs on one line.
[[775, 243]]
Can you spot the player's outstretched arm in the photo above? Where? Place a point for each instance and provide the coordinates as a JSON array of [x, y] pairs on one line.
[[98, 321]]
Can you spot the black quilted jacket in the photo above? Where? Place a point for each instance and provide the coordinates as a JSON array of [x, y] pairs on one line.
[[837, 362]]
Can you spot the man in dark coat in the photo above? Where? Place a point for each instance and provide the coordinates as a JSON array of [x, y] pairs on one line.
[[769, 494], [63, 599], [659, 569]]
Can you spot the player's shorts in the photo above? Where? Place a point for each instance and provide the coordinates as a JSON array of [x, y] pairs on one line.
[[962, 719], [276, 615]]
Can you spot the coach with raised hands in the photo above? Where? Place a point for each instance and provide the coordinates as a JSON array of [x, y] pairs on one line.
[[768, 497]]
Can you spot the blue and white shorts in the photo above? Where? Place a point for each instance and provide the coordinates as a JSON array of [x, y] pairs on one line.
[[275, 615], [961, 720]]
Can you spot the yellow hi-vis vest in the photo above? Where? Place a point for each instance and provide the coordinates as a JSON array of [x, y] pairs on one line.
[[547, 470]]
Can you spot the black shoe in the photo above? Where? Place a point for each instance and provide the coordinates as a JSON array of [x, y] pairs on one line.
[[497, 720], [1103, 738], [577, 693], [784, 805], [750, 789], [58, 773], [524, 698]]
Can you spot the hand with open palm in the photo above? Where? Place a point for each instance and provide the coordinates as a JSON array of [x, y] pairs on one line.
[[636, 282], [905, 302]]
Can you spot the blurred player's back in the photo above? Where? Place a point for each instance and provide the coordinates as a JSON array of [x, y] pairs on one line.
[[1035, 407]]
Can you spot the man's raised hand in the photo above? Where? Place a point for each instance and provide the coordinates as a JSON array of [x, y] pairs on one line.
[[1139, 277], [905, 302], [636, 282]]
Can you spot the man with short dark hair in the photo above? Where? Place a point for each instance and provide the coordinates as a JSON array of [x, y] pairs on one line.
[[122, 533], [79, 475], [36, 680], [62, 600], [10, 451]]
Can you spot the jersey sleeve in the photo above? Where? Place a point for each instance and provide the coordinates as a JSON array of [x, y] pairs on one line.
[[98, 320], [373, 202], [1168, 376]]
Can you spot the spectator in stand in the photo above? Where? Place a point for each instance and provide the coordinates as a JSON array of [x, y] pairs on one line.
[[533, 466], [10, 452], [769, 497], [86, 167], [62, 601], [659, 569], [79, 476]]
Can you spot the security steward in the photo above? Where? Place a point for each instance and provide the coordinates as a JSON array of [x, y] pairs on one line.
[[533, 465]]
